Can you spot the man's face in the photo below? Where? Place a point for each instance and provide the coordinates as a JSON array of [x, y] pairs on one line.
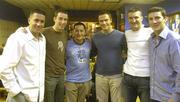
[[135, 20], [79, 33], [61, 21], [105, 22], [156, 21], [36, 22]]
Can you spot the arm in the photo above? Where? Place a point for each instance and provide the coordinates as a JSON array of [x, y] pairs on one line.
[[93, 49], [124, 48], [175, 58], [10, 58]]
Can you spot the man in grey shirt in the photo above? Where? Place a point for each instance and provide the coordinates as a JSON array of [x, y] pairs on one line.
[[108, 43]]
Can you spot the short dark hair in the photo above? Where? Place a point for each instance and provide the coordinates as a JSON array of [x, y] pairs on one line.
[[105, 12], [157, 9], [80, 23], [134, 9], [58, 11], [37, 11]]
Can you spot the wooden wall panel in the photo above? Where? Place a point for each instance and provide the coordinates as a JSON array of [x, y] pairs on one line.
[[6, 28]]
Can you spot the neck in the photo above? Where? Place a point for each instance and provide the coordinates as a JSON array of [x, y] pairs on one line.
[[79, 41], [136, 29], [57, 30], [157, 32], [36, 35], [107, 31]]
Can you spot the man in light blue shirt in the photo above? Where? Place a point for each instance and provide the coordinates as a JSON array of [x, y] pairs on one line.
[[164, 59], [78, 73]]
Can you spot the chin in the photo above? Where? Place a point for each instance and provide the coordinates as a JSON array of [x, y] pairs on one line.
[[105, 29], [155, 28]]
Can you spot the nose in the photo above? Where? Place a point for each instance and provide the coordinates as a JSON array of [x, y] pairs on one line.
[[79, 33], [103, 22], [63, 21], [154, 21], [133, 20], [39, 23]]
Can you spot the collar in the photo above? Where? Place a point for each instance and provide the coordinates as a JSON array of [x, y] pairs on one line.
[[163, 34], [31, 36]]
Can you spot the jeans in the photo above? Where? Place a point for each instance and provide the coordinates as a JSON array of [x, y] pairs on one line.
[[136, 86], [54, 89]]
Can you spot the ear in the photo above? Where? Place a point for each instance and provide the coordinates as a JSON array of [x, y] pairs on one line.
[[54, 18], [28, 20], [166, 19], [142, 18]]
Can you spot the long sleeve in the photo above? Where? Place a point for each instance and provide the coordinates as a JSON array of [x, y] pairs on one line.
[[10, 58], [93, 49], [175, 58], [124, 48]]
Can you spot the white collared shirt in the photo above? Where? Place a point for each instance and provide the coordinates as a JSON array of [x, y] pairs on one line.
[[23, 65]]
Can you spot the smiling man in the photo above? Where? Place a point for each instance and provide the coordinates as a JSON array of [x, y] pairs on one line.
[[78, 74], [56, 39], [164, 58], [108, 46], [136, 68], [24, 62]]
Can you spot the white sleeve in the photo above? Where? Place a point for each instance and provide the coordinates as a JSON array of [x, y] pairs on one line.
[[9, 60]]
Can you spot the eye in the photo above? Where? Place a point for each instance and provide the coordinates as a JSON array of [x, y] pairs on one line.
[[129, 17], [150, 18], [36, 20], [136, 17], [65, 19], [60, 18], [157, 18], [42, 21]]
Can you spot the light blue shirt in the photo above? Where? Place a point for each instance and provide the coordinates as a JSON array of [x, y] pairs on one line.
[[165, 66], [77, 62]]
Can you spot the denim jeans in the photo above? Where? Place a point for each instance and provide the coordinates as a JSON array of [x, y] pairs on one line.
[[54, 89], [135, 86]]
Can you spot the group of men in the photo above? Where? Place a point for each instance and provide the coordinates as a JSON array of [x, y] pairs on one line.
[[35, 60]]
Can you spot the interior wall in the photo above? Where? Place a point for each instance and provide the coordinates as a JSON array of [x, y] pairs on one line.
[[6, 28], [11, 13], [171, 6]]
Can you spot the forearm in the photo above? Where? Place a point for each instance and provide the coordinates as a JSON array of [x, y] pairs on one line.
[[10, 82]]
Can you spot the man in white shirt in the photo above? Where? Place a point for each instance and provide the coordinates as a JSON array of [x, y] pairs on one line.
[[23, 62], [136, 68]]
